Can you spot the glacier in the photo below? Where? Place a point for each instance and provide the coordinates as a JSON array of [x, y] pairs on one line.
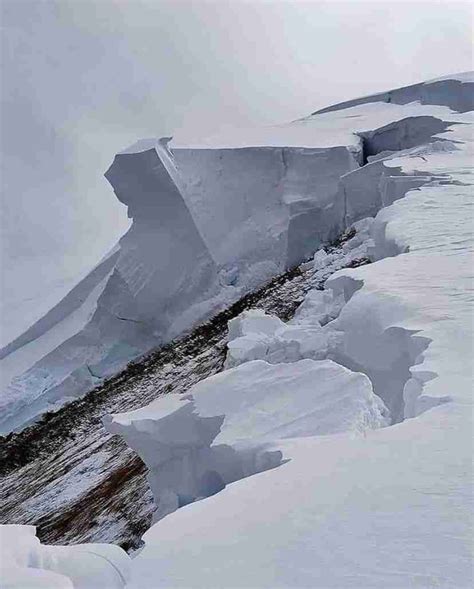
[[334, 449], [278, 193]]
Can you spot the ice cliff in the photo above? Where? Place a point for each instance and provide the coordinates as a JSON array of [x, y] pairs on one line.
[[374, 484], [335, 448], [214, 221]]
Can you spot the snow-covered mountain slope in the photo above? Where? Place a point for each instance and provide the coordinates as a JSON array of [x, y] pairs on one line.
[[335, 448], [76, 482], [214, 221], [387, 507]]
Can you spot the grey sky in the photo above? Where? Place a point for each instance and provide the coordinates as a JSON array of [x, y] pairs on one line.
[[82, 79]]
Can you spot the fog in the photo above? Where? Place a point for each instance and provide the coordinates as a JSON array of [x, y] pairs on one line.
[[82, 79]]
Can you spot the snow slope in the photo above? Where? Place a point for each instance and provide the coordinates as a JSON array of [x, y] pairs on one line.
[[278, 193], [389, 507]]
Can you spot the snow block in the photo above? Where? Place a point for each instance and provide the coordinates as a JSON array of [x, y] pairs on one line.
[[212, 223], [226, 427]]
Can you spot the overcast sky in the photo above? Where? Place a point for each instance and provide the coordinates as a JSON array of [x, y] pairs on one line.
[[81, 79]]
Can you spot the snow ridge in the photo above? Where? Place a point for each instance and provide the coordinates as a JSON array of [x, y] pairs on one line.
[[304, 406], [277, 199]]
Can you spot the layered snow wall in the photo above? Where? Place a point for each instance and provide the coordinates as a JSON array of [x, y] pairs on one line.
[[391, 507], [212, 222]]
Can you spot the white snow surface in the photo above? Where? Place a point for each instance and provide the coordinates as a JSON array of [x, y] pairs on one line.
[[336, 450], [389, 507], [465, 77], [219, 432], [25, 563], [214, 221]]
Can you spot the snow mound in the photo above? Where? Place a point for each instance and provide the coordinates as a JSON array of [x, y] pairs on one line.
[[28, 564]]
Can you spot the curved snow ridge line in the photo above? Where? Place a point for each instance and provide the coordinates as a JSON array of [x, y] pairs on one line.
[[121, 574], [72, 301], [455, 91]]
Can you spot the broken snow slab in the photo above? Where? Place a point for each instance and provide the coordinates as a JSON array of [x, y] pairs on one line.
[[227, 426]]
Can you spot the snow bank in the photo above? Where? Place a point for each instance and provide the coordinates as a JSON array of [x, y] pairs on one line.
[[27, 564], [215, 221], [227, 426], [391, 508]]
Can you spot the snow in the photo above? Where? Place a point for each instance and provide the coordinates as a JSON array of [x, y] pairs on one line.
[[465, 77], [391, 507], [256, 335], [26, 563], [288, 342], [380, 510], [335, 450], [219, 431], [453, 91], [232, 213]]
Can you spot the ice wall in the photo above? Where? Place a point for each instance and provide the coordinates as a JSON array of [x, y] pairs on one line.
[[274, 204], [164, 262], [213, 222]]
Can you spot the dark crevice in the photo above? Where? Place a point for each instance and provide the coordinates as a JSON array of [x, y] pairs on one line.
[[400, 135]]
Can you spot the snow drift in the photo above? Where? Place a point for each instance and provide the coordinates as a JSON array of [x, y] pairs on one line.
[[28, 564]]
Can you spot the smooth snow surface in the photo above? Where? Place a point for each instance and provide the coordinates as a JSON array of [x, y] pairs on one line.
[[215, 221], [28, 564], [388, 509]]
